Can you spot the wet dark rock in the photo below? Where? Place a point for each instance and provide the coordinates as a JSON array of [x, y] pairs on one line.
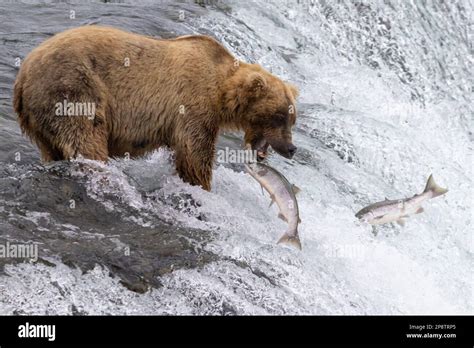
[[88, 235]]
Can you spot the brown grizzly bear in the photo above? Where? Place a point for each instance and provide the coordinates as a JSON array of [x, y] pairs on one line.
[[141, 93]]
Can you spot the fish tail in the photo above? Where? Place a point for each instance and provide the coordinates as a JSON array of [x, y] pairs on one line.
[[290, 240], [431, 186]]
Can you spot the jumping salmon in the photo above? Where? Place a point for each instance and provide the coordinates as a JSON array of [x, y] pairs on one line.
[[395, 210], [283, 193]]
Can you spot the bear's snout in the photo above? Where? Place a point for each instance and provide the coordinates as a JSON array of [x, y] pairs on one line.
[[287, 152], [292, 150], [283, 148]]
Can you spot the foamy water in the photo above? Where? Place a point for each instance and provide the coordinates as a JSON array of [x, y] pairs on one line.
[[385, 101]]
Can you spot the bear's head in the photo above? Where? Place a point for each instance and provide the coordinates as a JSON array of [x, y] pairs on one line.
[[265, 108]]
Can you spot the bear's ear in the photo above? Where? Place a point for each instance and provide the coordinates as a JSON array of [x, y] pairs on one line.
[[244, 88], [256, 83], [293, 89]]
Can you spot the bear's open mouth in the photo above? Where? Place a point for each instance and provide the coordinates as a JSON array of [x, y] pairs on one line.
[[262, 149]]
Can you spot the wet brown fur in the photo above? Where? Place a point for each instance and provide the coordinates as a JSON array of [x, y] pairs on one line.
[[177, 93]]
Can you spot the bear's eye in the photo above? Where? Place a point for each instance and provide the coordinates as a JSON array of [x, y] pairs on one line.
[[279, 119]]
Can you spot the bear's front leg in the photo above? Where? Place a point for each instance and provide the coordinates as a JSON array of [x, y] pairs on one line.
[[194, 161]]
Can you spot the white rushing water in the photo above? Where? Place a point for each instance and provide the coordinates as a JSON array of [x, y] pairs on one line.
[[385, 101]]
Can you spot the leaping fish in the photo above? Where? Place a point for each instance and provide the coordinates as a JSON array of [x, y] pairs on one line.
[[396, 210], [283, 193]]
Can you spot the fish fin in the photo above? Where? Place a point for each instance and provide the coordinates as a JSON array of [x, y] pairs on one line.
[[281, 216], [287, 239], [434, 188], [295, 189], [386, 199], [419, 210], [272, 197], [299, 220], [401, 222]]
